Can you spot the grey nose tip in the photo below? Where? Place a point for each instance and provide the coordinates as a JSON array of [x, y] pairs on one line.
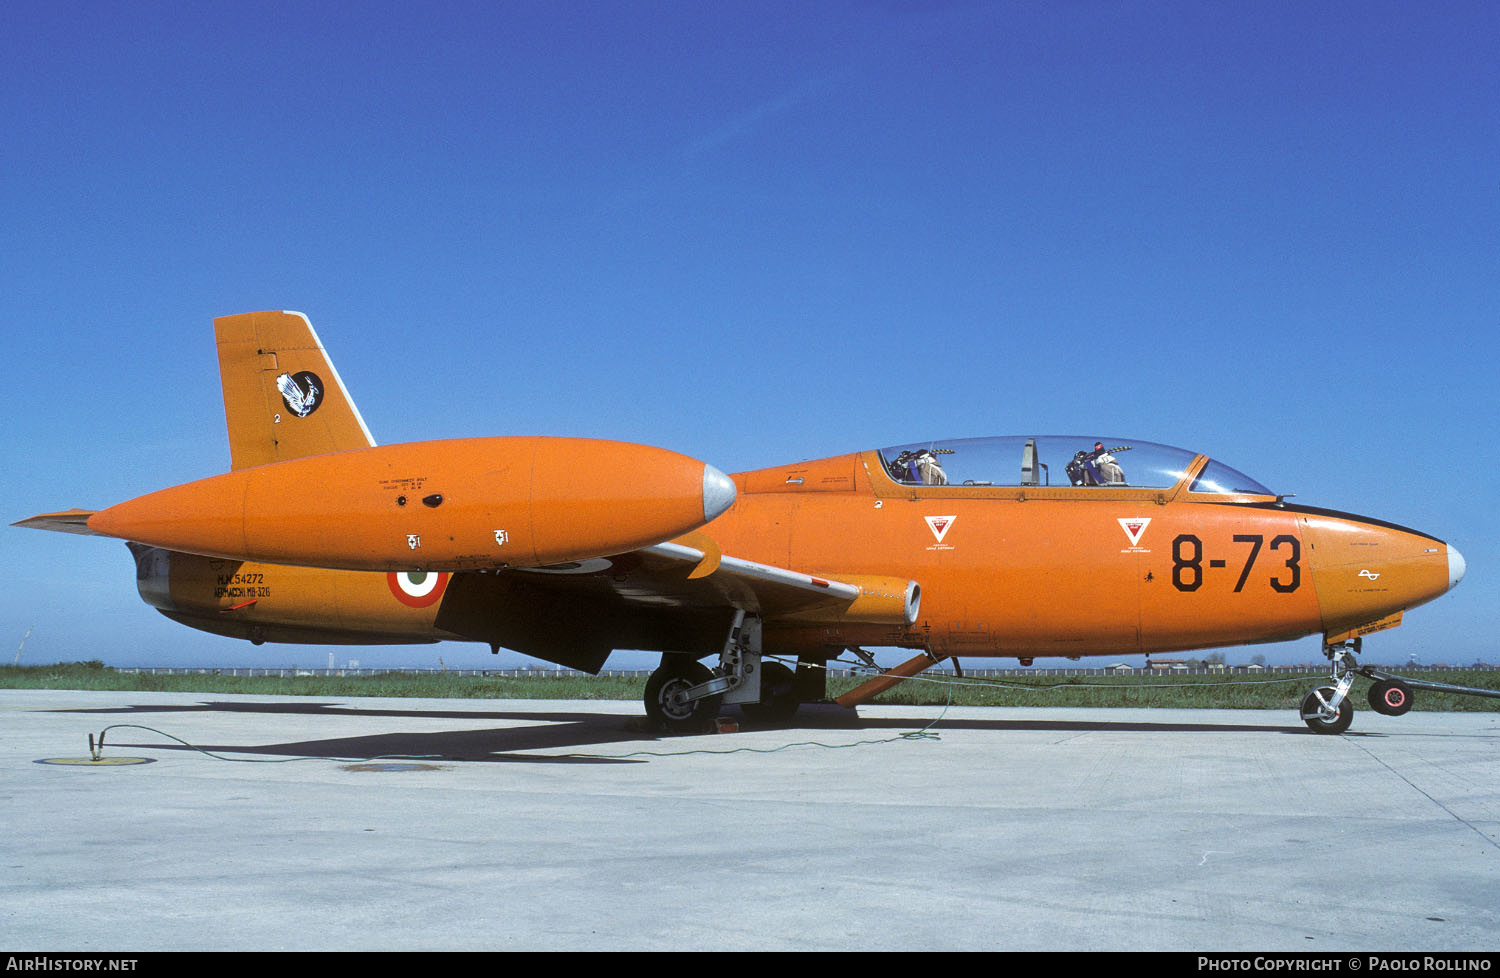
[[718, 493], [1456, 566]]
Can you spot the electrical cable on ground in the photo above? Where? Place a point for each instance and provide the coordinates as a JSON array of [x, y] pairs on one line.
[[259, 760], [925, 733]]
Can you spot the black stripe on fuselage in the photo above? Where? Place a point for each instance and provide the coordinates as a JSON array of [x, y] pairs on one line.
[[1335, 514]]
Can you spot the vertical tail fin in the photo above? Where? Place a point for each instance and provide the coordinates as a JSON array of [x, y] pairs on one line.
[[282, 396]]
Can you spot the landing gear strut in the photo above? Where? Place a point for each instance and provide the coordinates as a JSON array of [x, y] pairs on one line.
[[683, 695], [1327, 709]]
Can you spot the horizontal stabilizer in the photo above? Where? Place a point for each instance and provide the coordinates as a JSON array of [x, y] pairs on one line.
[[68, 521]]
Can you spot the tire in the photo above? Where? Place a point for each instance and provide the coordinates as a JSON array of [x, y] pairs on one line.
[[1312, 712], [1390, 697], [678, 673], [778, 697]]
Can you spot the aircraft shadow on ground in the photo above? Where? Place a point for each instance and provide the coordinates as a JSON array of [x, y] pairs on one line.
[[544, 730]]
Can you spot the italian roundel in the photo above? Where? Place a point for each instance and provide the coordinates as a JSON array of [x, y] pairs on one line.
[[417, 589]]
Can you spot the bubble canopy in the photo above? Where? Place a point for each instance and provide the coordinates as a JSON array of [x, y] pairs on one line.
[[1059, 461]]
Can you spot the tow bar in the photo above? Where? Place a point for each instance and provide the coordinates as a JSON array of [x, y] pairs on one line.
[[1390, 694]]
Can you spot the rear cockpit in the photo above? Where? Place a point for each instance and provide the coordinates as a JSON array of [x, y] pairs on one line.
[[1060, 461]]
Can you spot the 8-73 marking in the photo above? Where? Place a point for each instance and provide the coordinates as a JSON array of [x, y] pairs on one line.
[[1187, 561]]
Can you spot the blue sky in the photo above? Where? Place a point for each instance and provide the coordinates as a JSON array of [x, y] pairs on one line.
[[754, 233]]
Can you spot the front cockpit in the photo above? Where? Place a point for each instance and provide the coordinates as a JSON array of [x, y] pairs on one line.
[[1061, 461]]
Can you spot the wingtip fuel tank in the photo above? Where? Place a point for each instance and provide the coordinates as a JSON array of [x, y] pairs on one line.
[[463, 504]]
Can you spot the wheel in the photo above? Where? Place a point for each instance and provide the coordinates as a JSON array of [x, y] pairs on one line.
[[778, 697], [664, 705], [1390, 697], [1313, 712]]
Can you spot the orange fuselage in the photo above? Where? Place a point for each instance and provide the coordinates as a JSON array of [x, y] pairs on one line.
[[1004, 571], [1078, 571]]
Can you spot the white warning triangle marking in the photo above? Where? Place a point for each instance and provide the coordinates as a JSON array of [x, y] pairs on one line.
[[1134, 526], [939, 525]]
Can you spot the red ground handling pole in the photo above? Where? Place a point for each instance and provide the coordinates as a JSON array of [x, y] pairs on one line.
[[868, 691]]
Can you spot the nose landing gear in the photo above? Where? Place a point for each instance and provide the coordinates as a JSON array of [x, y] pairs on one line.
[[1327, 709]]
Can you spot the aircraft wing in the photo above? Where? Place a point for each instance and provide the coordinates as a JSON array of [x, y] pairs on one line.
[[678, 596], [68, 521], [782, 594]]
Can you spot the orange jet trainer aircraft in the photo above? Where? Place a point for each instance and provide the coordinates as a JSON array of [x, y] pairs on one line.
[[567, 549]]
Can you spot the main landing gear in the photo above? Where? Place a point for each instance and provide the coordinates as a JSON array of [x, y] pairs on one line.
[[684, 695], [1328, 709]]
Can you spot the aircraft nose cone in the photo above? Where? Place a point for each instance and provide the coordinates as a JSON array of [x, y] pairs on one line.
[[718, 493], [1456, 566]]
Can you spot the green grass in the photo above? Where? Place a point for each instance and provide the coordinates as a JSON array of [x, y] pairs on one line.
[[95, 675], [1265, 692]]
